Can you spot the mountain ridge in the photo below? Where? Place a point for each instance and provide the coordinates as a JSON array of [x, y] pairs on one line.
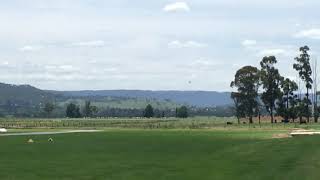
[[191, 98], [194, 98]]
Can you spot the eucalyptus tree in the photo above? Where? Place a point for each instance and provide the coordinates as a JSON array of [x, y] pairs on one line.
[[239, 108], [247, 82], [271, 83], [315, 91], [303, 67], [288, 102]]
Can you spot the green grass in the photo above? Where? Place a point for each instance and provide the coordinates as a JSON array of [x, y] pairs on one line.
[[161, 155]]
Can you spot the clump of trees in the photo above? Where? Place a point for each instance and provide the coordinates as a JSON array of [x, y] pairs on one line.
[[287, 103], [271, 83], [277, 93], [73, 111], [148, 112], [48, 108], [89, 110], [247, 83], [182, 112]]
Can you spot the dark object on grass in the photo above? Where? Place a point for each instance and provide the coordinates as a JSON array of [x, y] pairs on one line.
[[285, 121], [303, 122], [229, 123]]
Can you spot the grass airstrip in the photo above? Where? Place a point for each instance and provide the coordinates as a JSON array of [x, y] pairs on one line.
[[119, 153]]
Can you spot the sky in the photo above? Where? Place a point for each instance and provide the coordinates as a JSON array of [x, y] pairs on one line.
[[149, 44]]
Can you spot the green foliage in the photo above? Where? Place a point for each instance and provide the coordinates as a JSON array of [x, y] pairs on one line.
[[303, 66], [238, 106], [182, 112], [73, 111], [247, 83], [89, 110], [48, 108], [288, 102], [148, 112], [271, 81]]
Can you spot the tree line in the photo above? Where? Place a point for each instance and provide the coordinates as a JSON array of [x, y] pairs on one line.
[[267, 88], [74, 111]]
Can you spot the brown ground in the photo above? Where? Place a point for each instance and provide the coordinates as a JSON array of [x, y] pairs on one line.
[[281, 135]]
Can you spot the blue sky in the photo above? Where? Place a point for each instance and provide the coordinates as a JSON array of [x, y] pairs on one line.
[[154, 45]]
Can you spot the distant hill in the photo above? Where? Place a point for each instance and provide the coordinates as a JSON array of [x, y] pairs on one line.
[[27, 95], [28, 101], [23, 94], [194, 98]]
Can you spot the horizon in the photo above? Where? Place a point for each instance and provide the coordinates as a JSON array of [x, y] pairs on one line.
[[79, 90], [159, 46]]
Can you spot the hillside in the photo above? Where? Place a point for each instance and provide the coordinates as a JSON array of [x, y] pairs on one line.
[[194, 98], [30, 95], [28, 101], [25, 94]]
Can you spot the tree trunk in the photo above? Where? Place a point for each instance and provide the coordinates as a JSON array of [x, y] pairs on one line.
[[315, 107], [271, 114], [315, 113], [250, 120], [307, 106], [287, 108], [259, 119], [300, 118]]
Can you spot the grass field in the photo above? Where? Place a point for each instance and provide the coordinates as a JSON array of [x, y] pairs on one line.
[[121, 154], [141, 123]]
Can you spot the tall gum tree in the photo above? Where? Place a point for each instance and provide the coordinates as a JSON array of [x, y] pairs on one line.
[[288, 99], [271, 83], [303, 67], [247, 83]]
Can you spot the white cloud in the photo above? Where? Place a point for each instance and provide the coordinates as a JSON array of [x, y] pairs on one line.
[[310, 33], [92, 61], [178, 6], [204, 64], [273, 52], [112, 69], [30, 48], [61, 68], [187, 44], [248, 42], [98, 43]]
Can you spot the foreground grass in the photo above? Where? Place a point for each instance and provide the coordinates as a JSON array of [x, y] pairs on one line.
[[161, 154]]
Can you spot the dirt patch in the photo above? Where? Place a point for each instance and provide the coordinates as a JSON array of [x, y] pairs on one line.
[[281, 135], [303, 132]]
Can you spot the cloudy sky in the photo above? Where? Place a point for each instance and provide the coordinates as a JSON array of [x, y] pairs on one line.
[[149, 44]]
